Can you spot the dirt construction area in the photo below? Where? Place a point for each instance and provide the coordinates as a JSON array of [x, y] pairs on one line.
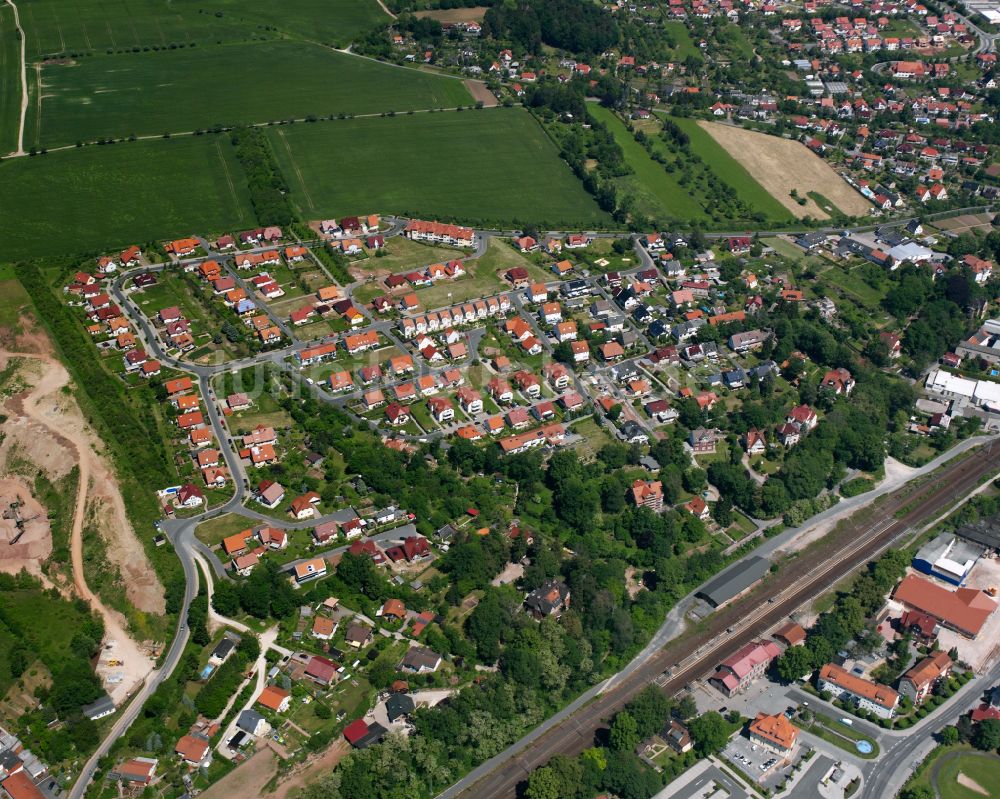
[[780, 165], [45, 431], [25, 533]]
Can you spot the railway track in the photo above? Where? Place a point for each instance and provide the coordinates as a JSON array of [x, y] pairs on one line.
[[837, 555]]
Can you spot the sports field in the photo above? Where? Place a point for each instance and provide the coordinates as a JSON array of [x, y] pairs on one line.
[[10, 81], [656, 191], [58, 27], [100, 198], [489, 166], [731, 171], [183, 90]]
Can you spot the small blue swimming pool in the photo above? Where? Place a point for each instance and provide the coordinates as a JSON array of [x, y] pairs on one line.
[[207, 671]]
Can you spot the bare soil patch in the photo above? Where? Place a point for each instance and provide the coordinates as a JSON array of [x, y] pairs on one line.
[[46, 428], [312, 769], [247, 779], [443, 15], [50, 430], [481, 93], [971, 784], [965, 223], [781, 165], [34, 535]]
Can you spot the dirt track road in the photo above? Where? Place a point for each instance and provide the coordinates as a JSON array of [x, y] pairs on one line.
[[137, 664]]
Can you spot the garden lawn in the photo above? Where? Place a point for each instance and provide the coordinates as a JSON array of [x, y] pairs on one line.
[[213, 531], [402, 254], [104, 198], [487, 166], [178, 90], [684, 45], [853, 285], [656, 191], [10, 81], [731, 171], [55, 26]]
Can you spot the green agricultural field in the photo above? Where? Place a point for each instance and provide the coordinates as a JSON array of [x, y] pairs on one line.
[[96, 26], [730, 171], [656, 191], [100, 198], [10, 81], [179, 91], [336, 22], [488, 166]]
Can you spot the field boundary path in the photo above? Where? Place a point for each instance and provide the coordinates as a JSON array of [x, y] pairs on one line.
[[24, 79], [385, 8]]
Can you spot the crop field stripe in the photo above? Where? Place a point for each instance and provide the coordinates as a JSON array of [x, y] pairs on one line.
[[731, 171], [10, 81], [229, 178], [297, 172]]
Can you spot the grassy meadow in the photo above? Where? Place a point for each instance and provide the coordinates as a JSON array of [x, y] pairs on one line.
[[492, 165], [655, 190], [731, 171], [182, 90], [99, 198]]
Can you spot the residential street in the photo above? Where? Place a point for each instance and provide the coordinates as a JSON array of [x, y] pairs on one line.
[[569, 733]]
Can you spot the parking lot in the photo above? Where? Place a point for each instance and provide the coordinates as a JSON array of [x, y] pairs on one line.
[[761, 696], [765, 768]]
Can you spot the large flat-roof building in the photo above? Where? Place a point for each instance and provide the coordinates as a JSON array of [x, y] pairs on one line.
[[948, 558], [735, 580]]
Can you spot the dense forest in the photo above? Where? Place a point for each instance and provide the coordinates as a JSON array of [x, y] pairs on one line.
[[584, 28], [268, 190]]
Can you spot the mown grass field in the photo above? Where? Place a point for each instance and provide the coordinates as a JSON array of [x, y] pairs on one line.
[[983, 771], [731, 171], [10, 81], [99, 198], [57, 27], [655, 190], [183, 90], [486, 166]]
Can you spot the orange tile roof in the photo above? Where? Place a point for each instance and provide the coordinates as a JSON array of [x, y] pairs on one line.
[[876, 692], [777, 729], [272, 696]]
